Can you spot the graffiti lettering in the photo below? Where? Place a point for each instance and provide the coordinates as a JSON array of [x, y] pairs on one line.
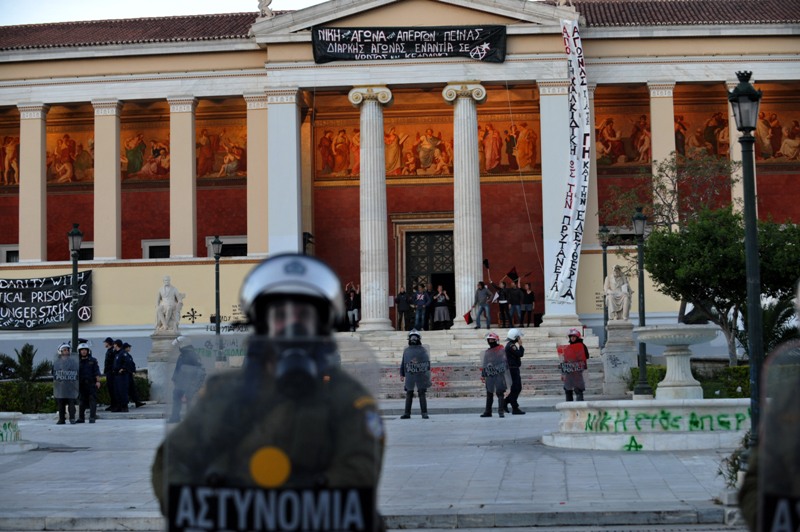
[[632, 445], [665, 420]]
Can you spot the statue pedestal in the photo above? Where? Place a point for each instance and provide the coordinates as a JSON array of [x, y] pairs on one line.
[[159, 365], [619, 356]]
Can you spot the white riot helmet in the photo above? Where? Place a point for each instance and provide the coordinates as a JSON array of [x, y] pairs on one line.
[[414, 337], [293, 276], [84, 345], [65, 345], [514, 334]]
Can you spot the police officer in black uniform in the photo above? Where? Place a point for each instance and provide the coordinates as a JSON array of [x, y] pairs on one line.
[[291, 418], [415, 370], [514, 354], [89, 381]]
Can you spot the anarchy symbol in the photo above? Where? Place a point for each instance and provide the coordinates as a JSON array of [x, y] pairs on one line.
[[85, 313], [480, 51]]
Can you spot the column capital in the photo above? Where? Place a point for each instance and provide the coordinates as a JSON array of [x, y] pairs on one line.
[[592, 87], [182, 104], [107, 107], [33, 110], [556, 87], [256, 100], [661, 89], [379, 93], [282, 95], [464, 89]]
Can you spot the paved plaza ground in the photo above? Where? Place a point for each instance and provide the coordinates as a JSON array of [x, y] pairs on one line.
[[454, 470]]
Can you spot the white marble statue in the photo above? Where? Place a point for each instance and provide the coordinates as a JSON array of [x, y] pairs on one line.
[[263, 7], [168, 307], [618, 293]]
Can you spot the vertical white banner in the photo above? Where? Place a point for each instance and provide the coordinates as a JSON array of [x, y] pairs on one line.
[[564, 278]]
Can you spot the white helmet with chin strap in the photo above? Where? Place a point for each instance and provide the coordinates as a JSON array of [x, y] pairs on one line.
[[295, 276], [514, 334]]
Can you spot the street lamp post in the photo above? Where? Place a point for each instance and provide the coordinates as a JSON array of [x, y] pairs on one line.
[[603, 235], [744, 101], [75, 238], [216, 247], [639, 224]]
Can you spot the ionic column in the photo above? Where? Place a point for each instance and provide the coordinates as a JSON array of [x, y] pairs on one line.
[[372, 199], [182, 182], [662, 119], [33, 182], [554, 120], [284, 200], [107, 180], [735, 153], [467, 228], [257, 175]]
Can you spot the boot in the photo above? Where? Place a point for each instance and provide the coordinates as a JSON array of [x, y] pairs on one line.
[[505, 404], [501, 411], [517, 412], [423, 404], [488, 411], [569, 395], [579, 395], [409, 400]]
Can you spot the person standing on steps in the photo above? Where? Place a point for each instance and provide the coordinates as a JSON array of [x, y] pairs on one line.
[[415, 371], [493, 374], [483, 296], [514, 354]]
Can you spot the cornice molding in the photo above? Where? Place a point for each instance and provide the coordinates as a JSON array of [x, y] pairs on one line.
[[553, 88], [182, 104], [33, 111], [107, 107]]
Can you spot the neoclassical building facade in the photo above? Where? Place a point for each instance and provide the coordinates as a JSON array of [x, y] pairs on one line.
[[156, 135]]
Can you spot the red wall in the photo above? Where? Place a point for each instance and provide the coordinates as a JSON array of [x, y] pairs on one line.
[[778, 196]]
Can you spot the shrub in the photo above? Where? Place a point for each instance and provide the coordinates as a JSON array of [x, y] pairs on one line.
[[725, 383], [655, 374], [27, 397]]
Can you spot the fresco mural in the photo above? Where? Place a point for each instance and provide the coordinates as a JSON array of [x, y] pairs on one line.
[[70, 154], [623, 139], [777, 134], [416, 148], [221, 148], [145, 151], [701, 131], [9, 157]]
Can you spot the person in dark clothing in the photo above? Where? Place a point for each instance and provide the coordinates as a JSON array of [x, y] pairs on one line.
[[65, 383], [108, 371], [515, 303], [187, 378], [421, 302], [352, 304], [415, 372], [430, 308], [123, 367], [493, 374], [89, 382], [502, 300], [403, 302], [528, 304], [514, 354], [133, 393]]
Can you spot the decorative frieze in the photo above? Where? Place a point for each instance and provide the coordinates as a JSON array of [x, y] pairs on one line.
[[107, 107], [182, 104], [256, 101], [33, 111], [553, 88], [281, 96], [661, 89]]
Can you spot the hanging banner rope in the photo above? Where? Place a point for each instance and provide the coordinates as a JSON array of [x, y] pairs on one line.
[[564, 270]]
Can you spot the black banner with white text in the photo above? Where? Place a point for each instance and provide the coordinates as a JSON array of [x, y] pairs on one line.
[[481, 43], [44, 302]]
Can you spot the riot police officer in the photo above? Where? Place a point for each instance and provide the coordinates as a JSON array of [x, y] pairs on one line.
[[291, 418], [65, 383], [493, 374], [415, 370], [514, 354], [89, 381]]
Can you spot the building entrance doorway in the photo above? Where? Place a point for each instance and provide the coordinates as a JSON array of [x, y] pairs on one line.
[[429, 259]]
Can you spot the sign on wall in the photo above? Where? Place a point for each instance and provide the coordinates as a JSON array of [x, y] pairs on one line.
[[44, 301], [482, 43]]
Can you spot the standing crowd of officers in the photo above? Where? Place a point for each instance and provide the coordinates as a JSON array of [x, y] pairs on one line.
[[76, 380]]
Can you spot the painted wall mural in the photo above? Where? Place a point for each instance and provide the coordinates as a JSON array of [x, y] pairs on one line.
[[623, 139], [9, 157], [70, 154], [145, 151], [221, 148], [778, 134], [417, 148]]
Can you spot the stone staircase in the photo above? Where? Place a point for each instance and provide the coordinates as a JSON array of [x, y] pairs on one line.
[[456, 356]]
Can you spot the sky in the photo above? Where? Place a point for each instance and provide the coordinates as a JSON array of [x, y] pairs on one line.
[[13, 12]]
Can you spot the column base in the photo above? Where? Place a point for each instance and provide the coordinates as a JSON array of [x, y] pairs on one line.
[[379, 324], [565, 320]]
